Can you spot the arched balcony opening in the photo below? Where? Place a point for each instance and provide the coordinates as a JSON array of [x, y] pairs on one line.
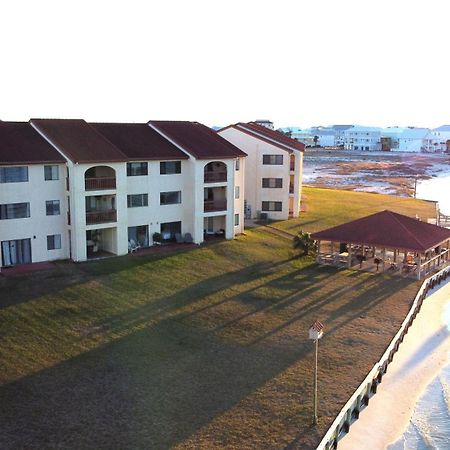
[[215, 172], [100, 178]]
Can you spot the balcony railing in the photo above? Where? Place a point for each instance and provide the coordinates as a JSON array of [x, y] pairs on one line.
[[215, 205], [93, 217], [215, 177], [100, 183], [292, 165]]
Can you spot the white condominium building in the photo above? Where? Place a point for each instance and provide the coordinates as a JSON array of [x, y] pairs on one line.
[[273, 170], [362, 138], [70, 189]]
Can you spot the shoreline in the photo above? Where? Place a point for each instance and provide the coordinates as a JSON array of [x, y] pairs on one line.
[[387, 173], [420, 358]]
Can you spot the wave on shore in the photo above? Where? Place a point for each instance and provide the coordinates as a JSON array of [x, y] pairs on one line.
[[429, 427]]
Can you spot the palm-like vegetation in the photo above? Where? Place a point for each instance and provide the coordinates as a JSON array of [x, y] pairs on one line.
[[304, 242]]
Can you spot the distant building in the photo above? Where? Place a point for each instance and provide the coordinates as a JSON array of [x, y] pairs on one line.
[[441, 138], [339, 136], [311, 137], [362, 138], [265, 123], [409, 139]]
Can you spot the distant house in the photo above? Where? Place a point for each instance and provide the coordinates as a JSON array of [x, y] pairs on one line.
[[441, 141], [409, 139], [339, 136], [311, 137], [362, 138], [273, 170], [265, 123]]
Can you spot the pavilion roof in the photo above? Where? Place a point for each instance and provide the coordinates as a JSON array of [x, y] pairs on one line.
[[387, 229]]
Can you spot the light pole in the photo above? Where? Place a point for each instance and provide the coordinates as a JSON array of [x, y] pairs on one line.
[[315, 333]]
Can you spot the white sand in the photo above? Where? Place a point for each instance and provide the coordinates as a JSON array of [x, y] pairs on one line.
[[424, 351]]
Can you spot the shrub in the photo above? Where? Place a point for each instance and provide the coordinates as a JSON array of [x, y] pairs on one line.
[[304, 242]]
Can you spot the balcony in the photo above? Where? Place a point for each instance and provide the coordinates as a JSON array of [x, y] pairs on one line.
[[100, 183], [215, 205], [215, 177], [291, 188], [95, 217]]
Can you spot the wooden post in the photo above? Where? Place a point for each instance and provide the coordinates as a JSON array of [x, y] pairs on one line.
[[395, 255], [318, 251], [384, 257], [315, 381], [349, 257]]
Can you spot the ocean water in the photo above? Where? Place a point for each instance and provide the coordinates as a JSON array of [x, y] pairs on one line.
[[436, 189], [429, 427]]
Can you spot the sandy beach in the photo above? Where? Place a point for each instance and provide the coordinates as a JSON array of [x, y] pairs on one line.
[[421, 356]]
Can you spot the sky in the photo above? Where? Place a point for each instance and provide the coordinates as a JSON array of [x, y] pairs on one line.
[[297, 63]]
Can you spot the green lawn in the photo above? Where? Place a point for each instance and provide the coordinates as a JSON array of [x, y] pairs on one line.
[[203, 349], [329, 207]]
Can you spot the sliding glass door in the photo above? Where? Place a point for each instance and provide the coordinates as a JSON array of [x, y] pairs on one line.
[[16, 252]]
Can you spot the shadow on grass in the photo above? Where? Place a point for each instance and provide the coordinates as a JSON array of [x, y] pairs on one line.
[[158, 386]]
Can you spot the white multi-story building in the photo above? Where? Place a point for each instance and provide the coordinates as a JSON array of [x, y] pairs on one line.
[[273, 170], [441, 139], [409, 139], [69, 189], [362, 138]]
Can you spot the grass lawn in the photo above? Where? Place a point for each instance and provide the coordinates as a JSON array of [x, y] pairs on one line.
[[329, 207], [203, 349]]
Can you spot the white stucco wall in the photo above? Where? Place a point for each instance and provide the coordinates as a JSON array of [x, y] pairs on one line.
[[255, 171], [38, 226]]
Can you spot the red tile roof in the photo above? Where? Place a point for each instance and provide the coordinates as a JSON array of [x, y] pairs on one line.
[[79, 141], [387, 229], [20, 143], [197, 139], [268, 135], [139, 142]]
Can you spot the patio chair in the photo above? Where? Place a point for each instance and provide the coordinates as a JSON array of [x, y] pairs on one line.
[[188, 238], [179, 238], [132, 246]]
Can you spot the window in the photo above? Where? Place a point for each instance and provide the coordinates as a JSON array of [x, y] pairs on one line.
[[52, 208], [136, 200], [54, 242], [272, 206], [169, 230], [169, 167], [273, 159], [238, 164], [51, 173], [272, 182], [170, 198], [13, 174], [237, 192], [236, 220], [14, 211], [136, 169]]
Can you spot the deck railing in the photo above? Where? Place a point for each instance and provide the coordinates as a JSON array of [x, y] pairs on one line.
[[215, 205], [94, 217], [100, 183], [215, 177], [360, 398]]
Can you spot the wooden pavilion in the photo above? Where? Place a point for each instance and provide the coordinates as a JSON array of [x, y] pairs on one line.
[[387, 240]]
